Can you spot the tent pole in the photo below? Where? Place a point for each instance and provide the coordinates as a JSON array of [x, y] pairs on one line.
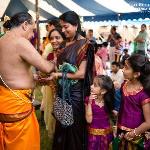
[[37, 25]]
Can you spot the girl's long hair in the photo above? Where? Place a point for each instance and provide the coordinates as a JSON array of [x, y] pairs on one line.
[[140, 63], [106, 83]]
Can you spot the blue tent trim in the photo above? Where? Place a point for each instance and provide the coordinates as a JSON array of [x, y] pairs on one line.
[[132, 2], [134, 15], [100, 18], [125, 16]]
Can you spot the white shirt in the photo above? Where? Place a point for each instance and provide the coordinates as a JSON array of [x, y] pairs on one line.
[[117, 77]]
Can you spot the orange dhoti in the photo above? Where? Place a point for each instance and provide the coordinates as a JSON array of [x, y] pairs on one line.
[[19, 129]]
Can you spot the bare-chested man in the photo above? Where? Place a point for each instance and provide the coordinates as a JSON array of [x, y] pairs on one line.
[[19, 128]]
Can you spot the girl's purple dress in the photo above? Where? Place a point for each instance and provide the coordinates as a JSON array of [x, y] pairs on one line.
[[99, 131], [131, 113]]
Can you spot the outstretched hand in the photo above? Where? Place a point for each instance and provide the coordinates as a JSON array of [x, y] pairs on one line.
[[42, 80]]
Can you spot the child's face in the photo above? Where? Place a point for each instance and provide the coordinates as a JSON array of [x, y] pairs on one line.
[[114, 68], [128, 71], [95, 87]]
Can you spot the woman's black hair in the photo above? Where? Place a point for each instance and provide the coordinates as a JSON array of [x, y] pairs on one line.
[[140, 63], [18, 19], [72, 18], [106, 83], [59, 31]]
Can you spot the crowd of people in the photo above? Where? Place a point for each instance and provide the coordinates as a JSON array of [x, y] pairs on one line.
[[96, 96]]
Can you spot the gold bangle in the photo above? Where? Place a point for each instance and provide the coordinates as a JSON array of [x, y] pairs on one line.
[[128, 138], [89, 114], [135, 132]]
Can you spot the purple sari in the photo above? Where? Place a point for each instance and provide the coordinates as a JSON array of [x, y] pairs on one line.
[[99, 131], [131, 114]]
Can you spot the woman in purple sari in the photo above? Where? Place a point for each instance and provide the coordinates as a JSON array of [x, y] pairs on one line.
[[98, 111], [134, 116]]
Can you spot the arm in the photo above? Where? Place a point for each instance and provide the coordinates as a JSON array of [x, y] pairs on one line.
[[29, 54], [78, 75], [144, 126], [88, 111], [109, 38], [140, 40]]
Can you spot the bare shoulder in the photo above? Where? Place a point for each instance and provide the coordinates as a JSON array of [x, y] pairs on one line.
[[24, 44], [25, 48]]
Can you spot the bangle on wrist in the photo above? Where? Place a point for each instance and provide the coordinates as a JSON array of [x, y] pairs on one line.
[[89, 114], [135, 132]]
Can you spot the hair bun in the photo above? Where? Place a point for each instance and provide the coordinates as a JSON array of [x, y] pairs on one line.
[[7, 24]]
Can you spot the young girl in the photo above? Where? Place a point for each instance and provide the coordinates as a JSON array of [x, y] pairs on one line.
[[98, 111], [134, 116]]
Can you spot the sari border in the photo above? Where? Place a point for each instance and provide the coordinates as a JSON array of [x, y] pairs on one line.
[[127, 93], [124, 128], [81, 52], [94, 131], [11, 118], [145, 101]]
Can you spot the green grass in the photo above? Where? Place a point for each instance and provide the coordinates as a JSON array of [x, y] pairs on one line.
[[46, 143]]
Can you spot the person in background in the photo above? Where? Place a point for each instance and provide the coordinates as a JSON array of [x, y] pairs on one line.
[[116, 73], [117, 78], [91, 37], [50, 26], [141, 41], [125, 56], [118, 48], [111, 39], [98, 109], [99, 69], [103, 54]]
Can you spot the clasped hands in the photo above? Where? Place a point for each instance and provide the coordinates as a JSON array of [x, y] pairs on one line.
[[129, 135]]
